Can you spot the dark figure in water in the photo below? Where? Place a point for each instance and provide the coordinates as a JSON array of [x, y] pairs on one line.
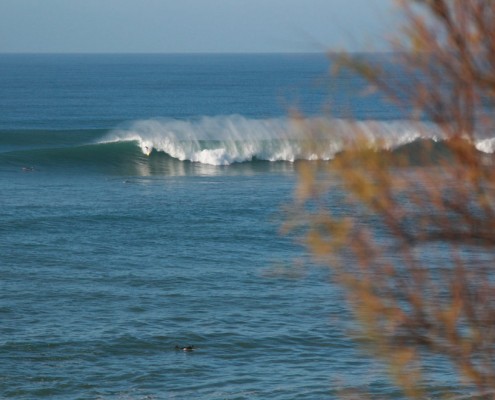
[[186, 348]]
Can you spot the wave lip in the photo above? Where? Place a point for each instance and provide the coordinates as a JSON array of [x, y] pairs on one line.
[[224, 140], [220, 140]]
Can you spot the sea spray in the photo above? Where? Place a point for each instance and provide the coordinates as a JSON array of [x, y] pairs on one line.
[[223, 140]]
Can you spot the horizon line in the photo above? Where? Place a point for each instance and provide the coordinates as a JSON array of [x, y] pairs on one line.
[[195, 52]]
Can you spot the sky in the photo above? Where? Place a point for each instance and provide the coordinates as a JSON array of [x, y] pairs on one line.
[[185, 26]]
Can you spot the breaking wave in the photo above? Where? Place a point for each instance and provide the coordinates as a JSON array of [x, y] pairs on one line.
[[223, 140]]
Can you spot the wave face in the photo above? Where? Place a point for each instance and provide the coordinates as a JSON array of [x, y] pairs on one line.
[[220, 140], [223, 140]]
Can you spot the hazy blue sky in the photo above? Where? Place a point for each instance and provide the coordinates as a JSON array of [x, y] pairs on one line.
[[192, 25]]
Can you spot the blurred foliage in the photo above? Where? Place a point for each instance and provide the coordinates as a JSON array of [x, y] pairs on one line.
[[414, 246]]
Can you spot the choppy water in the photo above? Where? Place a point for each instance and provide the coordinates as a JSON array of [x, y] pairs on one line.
[[140, 208]]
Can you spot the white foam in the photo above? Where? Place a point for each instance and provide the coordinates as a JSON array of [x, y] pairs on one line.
[[486, 145], [223, 140]]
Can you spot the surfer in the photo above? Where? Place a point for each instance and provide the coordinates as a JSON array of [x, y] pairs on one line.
[[27, 169], [186, 348]]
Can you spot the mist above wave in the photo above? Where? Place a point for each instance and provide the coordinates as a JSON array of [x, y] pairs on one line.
[[218, 140], [223, 140]]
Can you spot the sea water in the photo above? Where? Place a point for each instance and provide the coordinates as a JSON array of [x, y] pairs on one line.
[[141, 200]]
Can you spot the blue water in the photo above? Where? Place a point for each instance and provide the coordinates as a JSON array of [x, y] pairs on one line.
[[141, 202]]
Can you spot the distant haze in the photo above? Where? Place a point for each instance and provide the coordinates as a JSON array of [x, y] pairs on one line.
[[165, 26]]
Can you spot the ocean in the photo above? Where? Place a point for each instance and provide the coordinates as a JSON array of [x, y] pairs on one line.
[[142, 198]]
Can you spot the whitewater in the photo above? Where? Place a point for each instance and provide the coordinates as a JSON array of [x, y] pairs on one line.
[[223, 140]]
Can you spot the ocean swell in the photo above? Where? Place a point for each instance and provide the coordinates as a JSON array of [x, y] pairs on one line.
[[223, 140]]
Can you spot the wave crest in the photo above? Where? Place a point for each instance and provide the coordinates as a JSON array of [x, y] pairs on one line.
[[223, 140], [218, 140]]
